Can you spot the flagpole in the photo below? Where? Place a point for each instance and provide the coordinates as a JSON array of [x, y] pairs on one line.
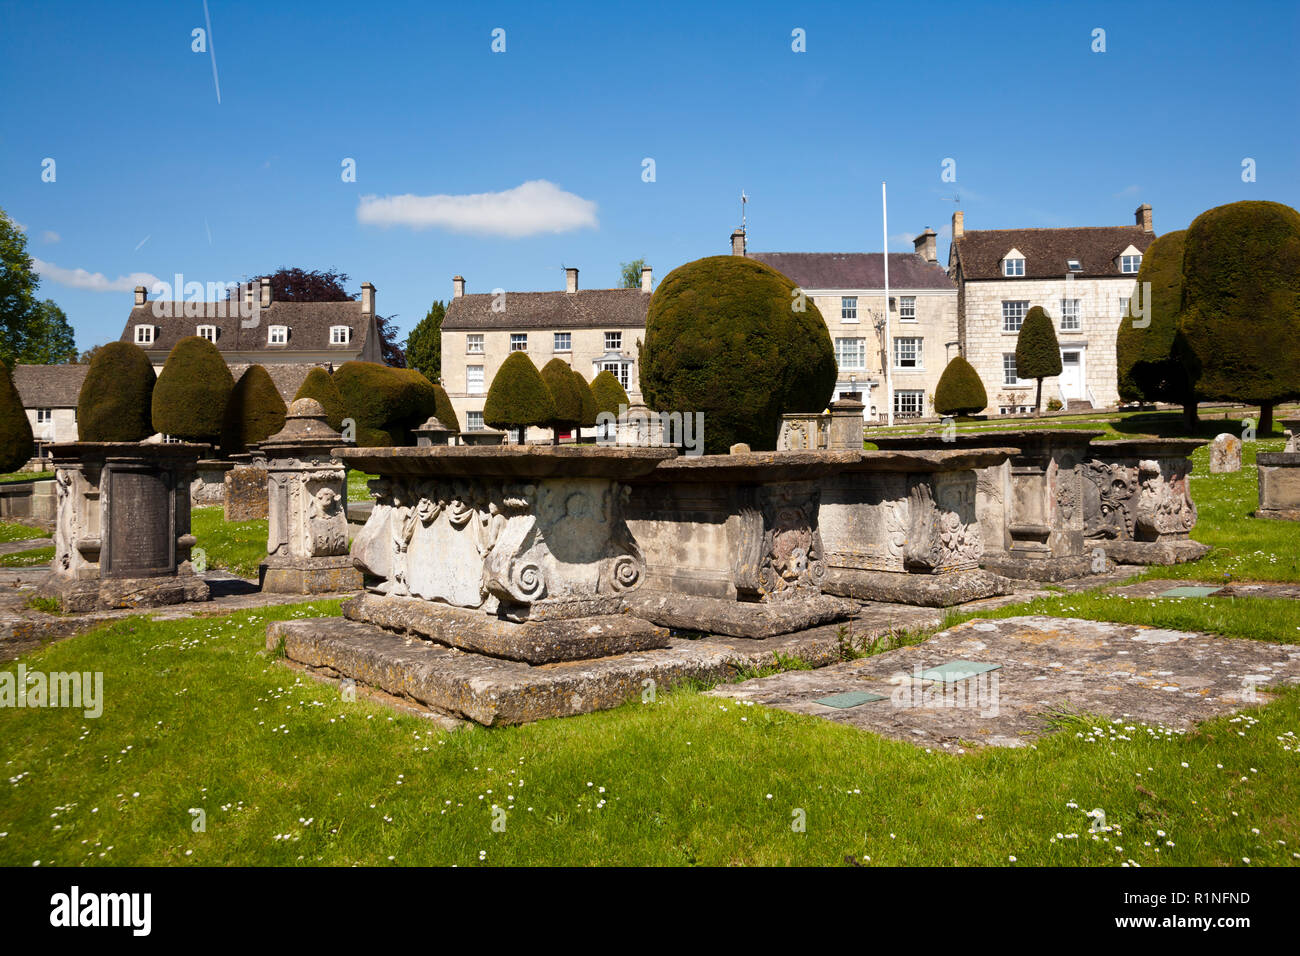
[[888, 363]]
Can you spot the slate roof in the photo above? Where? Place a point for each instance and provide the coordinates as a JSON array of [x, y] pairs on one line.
[[585, 309], [49, 386], [856, 270], [309, 325], [287, 376], [979, 252]]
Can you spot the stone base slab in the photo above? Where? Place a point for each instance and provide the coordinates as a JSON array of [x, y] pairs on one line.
[[924, 590], [1278, 514], [91, 594], [1172, 551], [1021, 567], [533, 642], [736, 618], [311, 576]]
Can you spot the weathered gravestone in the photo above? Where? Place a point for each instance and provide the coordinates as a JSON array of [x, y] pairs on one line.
[[1225, 453], [246, 489]]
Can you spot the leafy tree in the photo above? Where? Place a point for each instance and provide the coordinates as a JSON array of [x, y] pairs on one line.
[[189, 401], [1151, 359], [254, 412], [517, 397], [558, 377], [424, 344], [50, 340], [1038, 354], [18, 283], [15, 428], [725, 336], [88, 355], [116, 398], [320, 385], [960, 391], [392, 352], [630, 273], [1241, 304], [608, 392]]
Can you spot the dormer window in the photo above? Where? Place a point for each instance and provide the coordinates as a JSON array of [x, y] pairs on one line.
[[1013, 264], [144, 335], [1074, 265], [278, 335], [208, 332], [340, 335], [1130, 264]]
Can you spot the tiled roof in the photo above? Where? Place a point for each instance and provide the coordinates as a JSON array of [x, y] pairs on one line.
[[590, 309], [856, 270], [309, 325], [1047, 251], [287, 376], [49, 386]]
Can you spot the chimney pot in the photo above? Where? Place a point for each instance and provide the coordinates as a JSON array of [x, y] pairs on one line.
[[367, 298], [647, 278], [958, 224], [925, 245], [1143, 217], [457, 286], [571, 279], [266, 293], [738, 242], [141, 295]]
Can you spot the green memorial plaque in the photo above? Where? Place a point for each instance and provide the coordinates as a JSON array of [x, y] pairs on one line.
[[850, 699], [1190, 590]]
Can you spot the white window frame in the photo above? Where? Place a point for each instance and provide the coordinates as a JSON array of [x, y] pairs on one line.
[[621, 369], [1014, 378], [614, 342], [1009, 314], [1013, 268], [277, 335], [474, 422], [519, 341], [855, 362], [848, 308], [474, 343], [44, 416], [144, 335], [907, 308], [203, 331], [1072, 309], [915, 396], [563, 342], [340, 339], [1124, 304], [470, 384], [1126, 261], [916, 345]]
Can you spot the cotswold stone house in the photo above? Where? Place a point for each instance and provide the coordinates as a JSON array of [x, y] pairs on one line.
[[49, 395], [592, 331], [1082, 276], [848, 289]]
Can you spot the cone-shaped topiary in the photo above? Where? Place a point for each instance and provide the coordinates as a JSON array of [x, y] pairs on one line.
[[518, 397], [1241, 304], [15, 429], [385, 403], [588, 400], [320, 385], [189, 401], [609, 393], [960, 391], [1038, 354], [736, 340], [444, 410], [254, 412], [558, 377], [116, 399]]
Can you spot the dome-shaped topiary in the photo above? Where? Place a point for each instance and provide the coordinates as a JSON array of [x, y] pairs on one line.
[[254, 412], [1038, 354], [558, 377], [588, 400], [116, 398], [385, 403], [518, 397], [189, 401], [610, 395], [444, 410], [960, 391], [736, 340], [320, 385], [16, 440]]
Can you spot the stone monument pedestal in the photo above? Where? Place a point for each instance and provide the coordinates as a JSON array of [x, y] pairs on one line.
[[1279, 483], [122, 533]]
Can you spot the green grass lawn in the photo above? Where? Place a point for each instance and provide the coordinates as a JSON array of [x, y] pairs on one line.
[[236, 546], [357, 490], [27, 559], [21, 532], [286, 772], [13, 476]]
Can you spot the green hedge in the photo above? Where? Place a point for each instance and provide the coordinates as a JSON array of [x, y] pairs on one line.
[[189, 400], [116, 398], [960, 390], [254, 412], [16, 442], [517, 396], [320, 385], [385, 403]]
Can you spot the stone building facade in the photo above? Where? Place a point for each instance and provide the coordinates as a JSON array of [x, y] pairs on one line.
[[1083, 277], [593, 331], [848, 289]]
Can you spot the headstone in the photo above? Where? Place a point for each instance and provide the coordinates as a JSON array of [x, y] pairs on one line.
[[1225, 453], [740, 448], [246, 492]]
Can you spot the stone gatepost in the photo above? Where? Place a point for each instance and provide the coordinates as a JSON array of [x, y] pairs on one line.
[[433, 432], [122, 529], [307, 497], [1137, 502]]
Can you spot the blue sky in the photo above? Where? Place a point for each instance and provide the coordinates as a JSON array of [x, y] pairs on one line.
[[154, 176]]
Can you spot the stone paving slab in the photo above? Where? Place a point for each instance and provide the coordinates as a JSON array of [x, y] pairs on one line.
[[1237, 589], [1156, 676]]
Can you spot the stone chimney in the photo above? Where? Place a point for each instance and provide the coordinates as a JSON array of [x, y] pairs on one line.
[[958, 224], [141, 295], [457, 286], [925, 245], [647, 278], [367, 298], [1143, 217], [738, 242], [266, 293], [571, 279], [249, 296]]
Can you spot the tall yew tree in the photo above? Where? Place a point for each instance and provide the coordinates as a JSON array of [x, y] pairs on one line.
[[1038, 354]]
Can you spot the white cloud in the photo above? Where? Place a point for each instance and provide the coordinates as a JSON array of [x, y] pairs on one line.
[[93, 281], [535, 207], [50, 236]]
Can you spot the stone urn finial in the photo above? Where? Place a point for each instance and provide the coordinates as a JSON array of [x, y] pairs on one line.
[[305, 424]]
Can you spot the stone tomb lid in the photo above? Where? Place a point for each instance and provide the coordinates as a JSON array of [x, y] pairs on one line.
[[506, 461], [74, 451], [1291, 458], [1147, 447], [1019, 437], [804, 465]]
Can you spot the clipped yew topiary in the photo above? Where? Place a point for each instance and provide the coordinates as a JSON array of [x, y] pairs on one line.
[[189, 401], [960, 391], [736, 340], [385, 403], [1241, 304], [15, 429], [1038, 354], [254, 412], [116, 398], [444, 410], [518, 397], [609, 393], [588, 400], [319, 384], [558, 377]]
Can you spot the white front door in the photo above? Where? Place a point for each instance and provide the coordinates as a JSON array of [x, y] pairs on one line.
[[1071, 379]]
